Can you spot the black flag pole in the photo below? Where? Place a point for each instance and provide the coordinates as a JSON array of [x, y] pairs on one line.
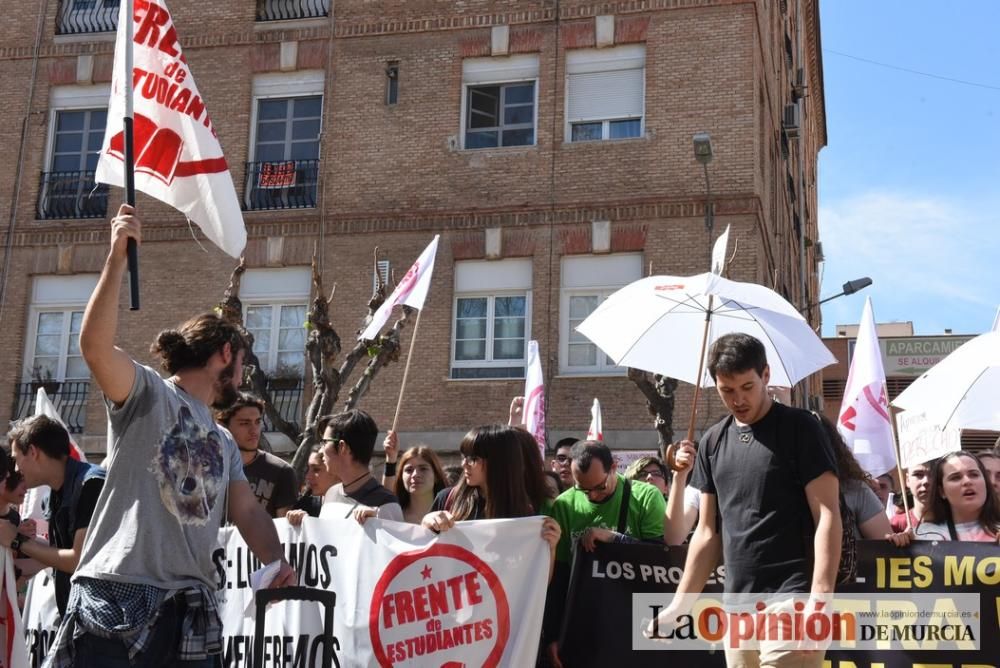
[[133, 247]]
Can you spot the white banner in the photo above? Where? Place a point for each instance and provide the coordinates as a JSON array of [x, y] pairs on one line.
[[412, 291], [473, 596], [920, 440], [534, 397]]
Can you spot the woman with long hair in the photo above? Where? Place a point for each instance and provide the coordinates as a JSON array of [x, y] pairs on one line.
[[962, 503], [870, 520], [500, 480], [419, 481]]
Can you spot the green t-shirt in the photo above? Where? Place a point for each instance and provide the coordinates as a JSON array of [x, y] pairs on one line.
[[575, 512]]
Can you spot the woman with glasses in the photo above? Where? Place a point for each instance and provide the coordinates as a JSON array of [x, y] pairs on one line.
[[499, 480], [421, 478], [651, 470]]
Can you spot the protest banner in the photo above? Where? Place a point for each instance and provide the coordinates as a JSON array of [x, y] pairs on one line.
[[921, 441], [472, 596], [597, 630]]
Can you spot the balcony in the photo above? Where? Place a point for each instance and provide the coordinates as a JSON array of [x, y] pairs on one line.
[[286, 10], [286, 397], [71, 195], [289, 184], [78, 17], [69, 397]]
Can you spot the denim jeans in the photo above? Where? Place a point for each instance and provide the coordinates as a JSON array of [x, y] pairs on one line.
[[161, 649]]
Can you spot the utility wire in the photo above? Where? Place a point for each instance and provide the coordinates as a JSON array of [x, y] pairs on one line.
[[912, 71]]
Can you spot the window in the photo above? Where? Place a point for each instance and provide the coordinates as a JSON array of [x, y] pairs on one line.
[[275, 306], [492, 319], [605, 93], [286, 135], [68, 189], [87, 16], [499, 101], [52, 358], [392, 82], [586, 282], [382, 272]]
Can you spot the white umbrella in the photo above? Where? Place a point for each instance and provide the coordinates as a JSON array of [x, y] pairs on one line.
[[962, 390], [658, 324]]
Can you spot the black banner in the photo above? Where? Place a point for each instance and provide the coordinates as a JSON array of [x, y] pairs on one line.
[[598, 625]]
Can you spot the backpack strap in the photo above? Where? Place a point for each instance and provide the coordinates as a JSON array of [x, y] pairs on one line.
[[951, 527], [623, 508]]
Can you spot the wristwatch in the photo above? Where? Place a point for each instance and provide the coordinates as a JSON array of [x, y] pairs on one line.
[[15, 545]]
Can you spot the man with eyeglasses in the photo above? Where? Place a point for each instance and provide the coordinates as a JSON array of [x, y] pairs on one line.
[[601, 507], [562, 459]]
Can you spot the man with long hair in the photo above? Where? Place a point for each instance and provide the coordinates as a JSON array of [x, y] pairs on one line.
[[144, 591]]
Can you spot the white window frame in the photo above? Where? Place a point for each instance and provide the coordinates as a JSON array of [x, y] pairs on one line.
[[275, 288], [499, 71], [489, 362], [623, 58], [492, 279], [55, 294], [602, 291], [383, 270], [307, 83], [72, 98]]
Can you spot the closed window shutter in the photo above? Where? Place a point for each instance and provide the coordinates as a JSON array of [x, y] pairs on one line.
[[478, 71], [605, 95]]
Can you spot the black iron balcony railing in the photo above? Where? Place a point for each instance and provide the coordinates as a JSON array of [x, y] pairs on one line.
[[71, 195], [289, 184], [286, 397], [69, 397], [284, 10], [86, 16]]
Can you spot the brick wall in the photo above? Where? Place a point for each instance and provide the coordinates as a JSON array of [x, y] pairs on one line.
[[394, 175]]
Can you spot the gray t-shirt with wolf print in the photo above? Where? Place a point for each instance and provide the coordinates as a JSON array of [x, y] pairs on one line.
[[169, 466]]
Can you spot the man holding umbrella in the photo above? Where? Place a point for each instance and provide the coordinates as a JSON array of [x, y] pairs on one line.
[[768, 476]]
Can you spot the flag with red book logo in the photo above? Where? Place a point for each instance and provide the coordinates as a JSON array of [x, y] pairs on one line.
[[178, 159], [412, 291]]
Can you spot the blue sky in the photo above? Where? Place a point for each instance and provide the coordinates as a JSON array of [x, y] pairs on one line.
[[909, 183]]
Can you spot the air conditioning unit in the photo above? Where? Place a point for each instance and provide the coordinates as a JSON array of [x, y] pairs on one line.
[[790, 120], [799, 85]]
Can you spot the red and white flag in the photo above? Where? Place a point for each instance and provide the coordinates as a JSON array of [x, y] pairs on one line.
[[534, 397], [178, 159], [412, 291], [864, 420], [596, 431]]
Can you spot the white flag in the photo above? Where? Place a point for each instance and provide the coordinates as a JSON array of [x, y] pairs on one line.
[[534, 397], [412, 291], [178, 159], [719, 252], [596, 431], [864, 420], [996, 321]]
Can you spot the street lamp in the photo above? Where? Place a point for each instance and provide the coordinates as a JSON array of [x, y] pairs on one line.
[[849, 288], [703, 154]]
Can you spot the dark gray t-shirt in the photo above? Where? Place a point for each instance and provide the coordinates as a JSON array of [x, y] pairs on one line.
[[272, 481], [758, 474], [169, 468]]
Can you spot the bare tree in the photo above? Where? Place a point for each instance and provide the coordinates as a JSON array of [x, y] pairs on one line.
[[659, 392], [323, 351]]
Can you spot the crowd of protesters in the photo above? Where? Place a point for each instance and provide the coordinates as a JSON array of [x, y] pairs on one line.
[[137, 538]]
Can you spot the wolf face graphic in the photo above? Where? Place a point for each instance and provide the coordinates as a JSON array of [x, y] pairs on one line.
[[190, 469]]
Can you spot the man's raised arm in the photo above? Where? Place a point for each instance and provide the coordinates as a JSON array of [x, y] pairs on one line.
[[111, 366]]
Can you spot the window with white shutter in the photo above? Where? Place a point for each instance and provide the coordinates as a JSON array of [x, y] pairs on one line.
[[605, 93]]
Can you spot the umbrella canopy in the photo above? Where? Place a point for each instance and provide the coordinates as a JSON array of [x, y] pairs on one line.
[[962, 390], [657, 323]]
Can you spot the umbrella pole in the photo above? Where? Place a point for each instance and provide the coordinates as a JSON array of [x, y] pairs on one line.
[[669, 453], [899, 467]]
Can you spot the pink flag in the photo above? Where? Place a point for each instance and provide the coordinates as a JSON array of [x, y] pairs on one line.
[[596, 431], [534, 397], [178, 159], [864, 420], [412, 291]]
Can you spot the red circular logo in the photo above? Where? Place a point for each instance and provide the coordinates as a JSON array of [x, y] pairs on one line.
[[439, 606]]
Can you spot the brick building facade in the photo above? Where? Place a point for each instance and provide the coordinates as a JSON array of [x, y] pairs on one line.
[[548, 142]]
